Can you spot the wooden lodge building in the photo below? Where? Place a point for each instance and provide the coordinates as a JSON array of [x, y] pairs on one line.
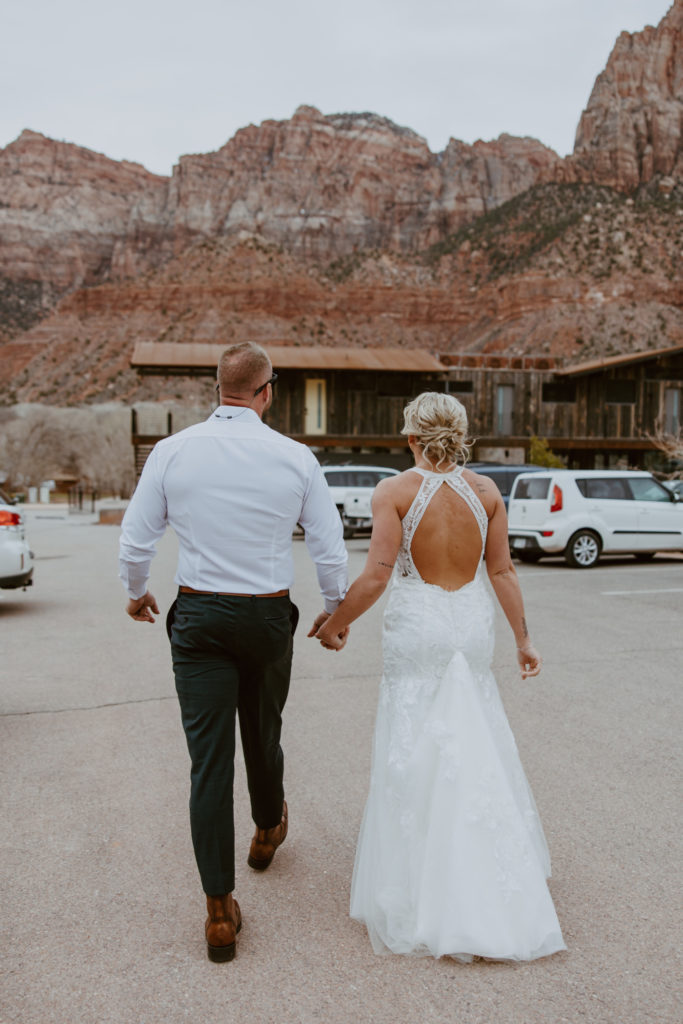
[[347, 403]]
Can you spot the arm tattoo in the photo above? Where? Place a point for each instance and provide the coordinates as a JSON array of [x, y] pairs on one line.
[[386, 565], [525, 631]]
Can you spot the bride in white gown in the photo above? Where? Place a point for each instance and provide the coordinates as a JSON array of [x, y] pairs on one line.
[[451, 858]]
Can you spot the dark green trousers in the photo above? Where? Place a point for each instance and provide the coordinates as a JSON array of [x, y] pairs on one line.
[[231, 655]]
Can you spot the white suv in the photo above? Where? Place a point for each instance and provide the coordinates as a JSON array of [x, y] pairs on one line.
[[351, 488], [585, 513], [16, 560]]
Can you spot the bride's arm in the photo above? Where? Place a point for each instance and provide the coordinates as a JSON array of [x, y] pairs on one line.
[[372, 582], [505, 583]]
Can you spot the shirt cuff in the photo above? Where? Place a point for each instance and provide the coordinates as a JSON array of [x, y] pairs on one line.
[[135, 583]]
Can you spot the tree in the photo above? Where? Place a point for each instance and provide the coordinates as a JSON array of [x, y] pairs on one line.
[[91, 444], [540, 454]]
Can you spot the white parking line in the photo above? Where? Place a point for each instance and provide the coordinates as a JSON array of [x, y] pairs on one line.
[[661, 590]]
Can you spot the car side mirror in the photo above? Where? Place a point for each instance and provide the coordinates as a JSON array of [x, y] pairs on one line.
[[675, 496]]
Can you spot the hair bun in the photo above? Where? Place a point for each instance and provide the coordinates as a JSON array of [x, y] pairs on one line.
[[438, 422]]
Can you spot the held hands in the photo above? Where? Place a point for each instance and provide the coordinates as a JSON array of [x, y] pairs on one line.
[[529, 659], [141, 608], [330, 640]]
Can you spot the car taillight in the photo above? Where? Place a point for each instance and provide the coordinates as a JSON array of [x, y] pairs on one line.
[[9, 518], [557, 499]]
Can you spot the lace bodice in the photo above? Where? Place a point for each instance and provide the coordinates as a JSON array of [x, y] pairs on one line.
[[431, 482]]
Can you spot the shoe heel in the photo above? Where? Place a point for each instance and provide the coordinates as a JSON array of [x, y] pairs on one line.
[[221, 954], [258, 865]]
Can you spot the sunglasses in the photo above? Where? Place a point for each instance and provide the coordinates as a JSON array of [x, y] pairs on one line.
[[258, 390]]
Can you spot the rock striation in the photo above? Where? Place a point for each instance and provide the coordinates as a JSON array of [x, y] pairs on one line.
[[63, 211], [632, 128], [347, 229], [320, 186], [323, 186], [568, 270]]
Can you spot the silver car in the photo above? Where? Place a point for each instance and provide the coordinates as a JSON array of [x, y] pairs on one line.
[[351, 488], [16, 558]]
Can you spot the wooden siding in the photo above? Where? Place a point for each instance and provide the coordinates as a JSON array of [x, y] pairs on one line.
[[358, 403], [365, 406]]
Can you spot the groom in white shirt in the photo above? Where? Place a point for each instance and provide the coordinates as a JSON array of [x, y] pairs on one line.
[[233, 490]]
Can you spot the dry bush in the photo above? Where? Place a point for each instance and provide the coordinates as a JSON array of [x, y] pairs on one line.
[[91, 444], [670, 445]]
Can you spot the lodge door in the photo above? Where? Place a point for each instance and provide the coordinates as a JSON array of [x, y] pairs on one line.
[[315, 412]]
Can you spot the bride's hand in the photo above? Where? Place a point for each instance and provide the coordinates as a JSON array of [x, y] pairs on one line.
[[530, 660], [330, 640]]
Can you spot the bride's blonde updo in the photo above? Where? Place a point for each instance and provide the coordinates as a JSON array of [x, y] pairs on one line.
[[439, 424]]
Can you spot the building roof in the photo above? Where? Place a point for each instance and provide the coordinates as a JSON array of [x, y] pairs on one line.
[[156, 355], [595, 365]]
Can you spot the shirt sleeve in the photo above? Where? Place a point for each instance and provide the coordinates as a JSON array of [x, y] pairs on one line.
[[324, 535], [143, 525]]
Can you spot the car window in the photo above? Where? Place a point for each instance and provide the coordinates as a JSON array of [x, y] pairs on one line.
[[364, 478], [355, 477], [338, 478], [5, 499], [500, 478], [604, 488], [646, 489], [534, 489]]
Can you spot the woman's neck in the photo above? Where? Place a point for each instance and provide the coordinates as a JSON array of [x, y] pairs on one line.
[[422, 463]]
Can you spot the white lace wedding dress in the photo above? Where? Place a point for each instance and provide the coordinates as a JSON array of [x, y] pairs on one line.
[[451, 858]]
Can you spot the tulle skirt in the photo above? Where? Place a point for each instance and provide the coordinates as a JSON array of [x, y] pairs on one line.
[[451, 857]]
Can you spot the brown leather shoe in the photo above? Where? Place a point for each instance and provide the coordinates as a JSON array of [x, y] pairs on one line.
[[222, 925], [266, 841]]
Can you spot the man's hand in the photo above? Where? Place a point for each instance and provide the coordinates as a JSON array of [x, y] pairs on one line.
[[331, 641], [317, 623], [529, 659], [141, 608]]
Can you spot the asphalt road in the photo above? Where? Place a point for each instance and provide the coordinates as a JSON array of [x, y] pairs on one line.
[[102, 912]]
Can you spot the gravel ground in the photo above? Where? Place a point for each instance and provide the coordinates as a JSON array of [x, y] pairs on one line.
[[102, 910]]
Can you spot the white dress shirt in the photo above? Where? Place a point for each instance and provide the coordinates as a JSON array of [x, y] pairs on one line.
[[233, 490]]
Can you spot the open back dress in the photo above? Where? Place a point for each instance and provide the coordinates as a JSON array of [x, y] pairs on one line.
[[451, 857]]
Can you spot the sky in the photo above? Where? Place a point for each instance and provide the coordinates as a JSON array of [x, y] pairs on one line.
[[150, 80]]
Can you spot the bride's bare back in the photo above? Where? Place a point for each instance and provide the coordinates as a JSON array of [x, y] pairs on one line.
[[445, 551], [446, 546]]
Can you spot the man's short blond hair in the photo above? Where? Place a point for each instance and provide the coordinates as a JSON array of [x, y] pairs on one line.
[[242, 368]]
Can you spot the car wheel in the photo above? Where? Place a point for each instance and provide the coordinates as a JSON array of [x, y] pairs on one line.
[[583, 550], [527, 556], [644, 556]]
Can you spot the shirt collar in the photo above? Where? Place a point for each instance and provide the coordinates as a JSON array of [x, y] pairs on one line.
[[233, 412]]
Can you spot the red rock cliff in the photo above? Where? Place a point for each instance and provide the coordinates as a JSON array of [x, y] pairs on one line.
[[632, 128]]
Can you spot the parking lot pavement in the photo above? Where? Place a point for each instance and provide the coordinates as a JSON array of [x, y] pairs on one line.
[[102, 911]]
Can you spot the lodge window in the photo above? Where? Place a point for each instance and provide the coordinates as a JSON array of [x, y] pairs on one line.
[[672, 410], [559, 391], [505, 400], [620, 392], [315, 413], [460, 387]]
